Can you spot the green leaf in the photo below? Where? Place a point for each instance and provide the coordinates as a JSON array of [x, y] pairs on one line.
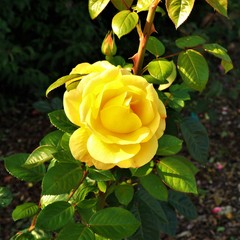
[[142, 5], [154, 186], [196, 138], [155, 46], [102, 186], [40, 155], [59, 119], [122, 5], [100, 175], [114, 222], [169, 145], [24, 210], [183, 204], [75, 231], [219, 5], [189, 41], [55, 216], [160, 69], [124, 22], [177, 175], [64, 143], [5, 196], [179, 10], [124, 193], [15, 166], [142, 171], [152, 204], [61, 81], [95, 7], [61, 178], [219, 52], [193, 69], [48, 199], [227, 66], [52, 138]]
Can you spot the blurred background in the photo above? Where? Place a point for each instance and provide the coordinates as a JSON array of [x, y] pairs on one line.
[[41, 41]]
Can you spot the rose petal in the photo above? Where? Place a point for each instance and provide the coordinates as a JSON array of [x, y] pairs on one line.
[[71, 103], [110, 153]]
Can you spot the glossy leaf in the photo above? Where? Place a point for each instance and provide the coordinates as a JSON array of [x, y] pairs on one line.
[[59, 119], [155, 46], [189, 41], [154, 186], [5, 196], [124, 193], [61, 81], [114, 222], [160, 69], [193, 69], [61, 178], [63, 156], [183, 204], [179, 10], [100, 175], [142, 5], [170, 79], [75, 231], [52, 138], [15, 166], [48, 199], [122, 4], [142, 171], [219, 52], [40, 155], [55, 216], [95, 7], [169, 145], [177, 175], [196, 138], [124, 22], [219, 5], [24, 210]]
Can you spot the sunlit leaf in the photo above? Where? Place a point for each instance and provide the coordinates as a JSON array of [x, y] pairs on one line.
[[193, 69], [160, 69], [142, 5], [24, 210], [124, 22], [219, 5], [177, 175], [52, 138], [95, 7], [179, 10], [142, 171], [122, 4]]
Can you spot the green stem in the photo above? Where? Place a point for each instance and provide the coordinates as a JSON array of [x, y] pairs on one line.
[[147, 31]]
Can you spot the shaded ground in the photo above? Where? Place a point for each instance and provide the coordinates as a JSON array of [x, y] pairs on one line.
[[23, 127]]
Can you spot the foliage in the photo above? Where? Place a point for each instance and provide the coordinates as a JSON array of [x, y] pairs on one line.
[[84, 202]]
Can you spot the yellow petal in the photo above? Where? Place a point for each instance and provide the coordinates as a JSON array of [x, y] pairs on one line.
[[102, 166], [82, 68], [78, 145], [161, 128], [71, 103], [110, 153], [147, 152]]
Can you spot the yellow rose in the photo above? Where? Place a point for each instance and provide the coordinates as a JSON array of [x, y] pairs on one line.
[[119, 114]]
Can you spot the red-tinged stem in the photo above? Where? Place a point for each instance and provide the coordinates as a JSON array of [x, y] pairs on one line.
[[138, 58]]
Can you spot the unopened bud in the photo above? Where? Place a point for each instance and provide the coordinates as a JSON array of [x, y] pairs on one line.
[[109, 47]]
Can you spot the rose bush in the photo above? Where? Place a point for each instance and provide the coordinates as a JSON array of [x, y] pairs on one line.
[[120, 117]]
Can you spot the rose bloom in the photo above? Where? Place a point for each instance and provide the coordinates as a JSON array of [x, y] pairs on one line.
[[119, 115]]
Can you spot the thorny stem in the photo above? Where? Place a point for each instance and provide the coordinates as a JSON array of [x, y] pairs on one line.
[[138, 58]]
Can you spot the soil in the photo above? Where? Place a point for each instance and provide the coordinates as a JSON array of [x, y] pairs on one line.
[[218, 204]]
